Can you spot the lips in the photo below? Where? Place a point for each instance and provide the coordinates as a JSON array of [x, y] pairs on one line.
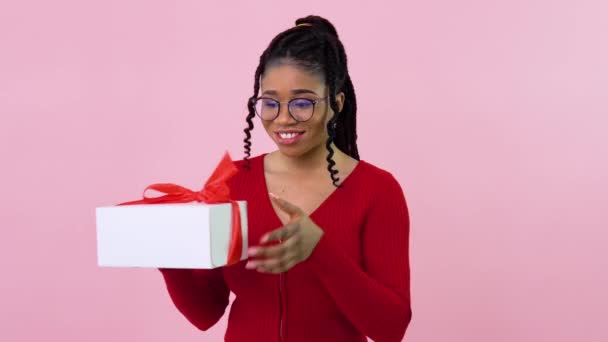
[[288, 137]]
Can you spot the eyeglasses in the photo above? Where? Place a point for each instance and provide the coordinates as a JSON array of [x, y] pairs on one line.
[[301, 109]]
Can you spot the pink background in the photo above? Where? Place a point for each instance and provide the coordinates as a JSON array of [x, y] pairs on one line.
[[491, 114]]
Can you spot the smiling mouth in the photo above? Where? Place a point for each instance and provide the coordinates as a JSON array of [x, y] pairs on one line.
[[289, 137]]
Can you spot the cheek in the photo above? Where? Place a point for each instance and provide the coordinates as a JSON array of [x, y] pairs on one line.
[[319, 128]]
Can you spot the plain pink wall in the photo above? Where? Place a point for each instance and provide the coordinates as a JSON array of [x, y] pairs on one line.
[[491, 114]]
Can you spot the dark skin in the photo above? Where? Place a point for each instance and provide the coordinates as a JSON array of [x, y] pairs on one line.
[[295, 167]]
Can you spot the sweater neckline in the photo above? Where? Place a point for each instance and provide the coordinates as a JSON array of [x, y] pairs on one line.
[[323, 204]]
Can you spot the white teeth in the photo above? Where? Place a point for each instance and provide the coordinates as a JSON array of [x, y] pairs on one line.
[[287, 135]]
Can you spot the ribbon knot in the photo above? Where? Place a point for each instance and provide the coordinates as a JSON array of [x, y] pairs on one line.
[[200, 196], [215, 190]]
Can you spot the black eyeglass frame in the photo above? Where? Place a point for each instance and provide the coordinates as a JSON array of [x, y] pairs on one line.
[[313, 101]]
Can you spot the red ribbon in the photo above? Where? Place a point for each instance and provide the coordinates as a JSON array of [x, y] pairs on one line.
[[216, 190]]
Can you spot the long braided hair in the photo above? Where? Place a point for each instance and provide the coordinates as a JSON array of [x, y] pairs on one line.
[[313, 45]]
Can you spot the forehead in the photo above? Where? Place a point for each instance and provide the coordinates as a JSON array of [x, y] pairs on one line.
[[286, 77]]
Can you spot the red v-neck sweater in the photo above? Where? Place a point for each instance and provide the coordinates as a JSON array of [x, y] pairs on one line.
[[356, 282]]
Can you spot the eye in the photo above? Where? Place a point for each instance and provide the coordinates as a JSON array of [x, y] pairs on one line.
[[301, 103], [269, 103]]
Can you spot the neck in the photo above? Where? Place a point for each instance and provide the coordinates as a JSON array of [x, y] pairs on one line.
[[313, 161]]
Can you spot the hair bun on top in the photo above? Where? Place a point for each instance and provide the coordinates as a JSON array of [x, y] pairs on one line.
[[319, 23]]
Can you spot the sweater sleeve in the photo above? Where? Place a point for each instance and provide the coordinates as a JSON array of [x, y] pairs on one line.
[[376, 299], [201, 295]]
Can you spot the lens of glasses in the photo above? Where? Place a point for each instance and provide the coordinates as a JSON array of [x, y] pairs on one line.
[[267, 109], [300, 109]]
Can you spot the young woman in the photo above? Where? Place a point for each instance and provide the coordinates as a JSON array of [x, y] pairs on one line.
[[329, 233]]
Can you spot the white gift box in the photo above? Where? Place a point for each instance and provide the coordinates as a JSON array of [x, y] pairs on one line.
[[168, 235]]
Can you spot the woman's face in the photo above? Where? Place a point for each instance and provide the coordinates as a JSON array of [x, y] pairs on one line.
[[283, 83]]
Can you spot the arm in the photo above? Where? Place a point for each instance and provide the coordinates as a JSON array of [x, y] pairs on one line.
[[376, 299], [201, 295]]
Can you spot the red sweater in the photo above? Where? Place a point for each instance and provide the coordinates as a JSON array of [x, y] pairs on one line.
[[356, 282]]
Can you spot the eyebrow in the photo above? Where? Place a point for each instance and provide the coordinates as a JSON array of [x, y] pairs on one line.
[[293, 91]]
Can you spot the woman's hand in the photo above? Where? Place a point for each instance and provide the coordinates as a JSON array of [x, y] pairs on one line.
[[298, 238]]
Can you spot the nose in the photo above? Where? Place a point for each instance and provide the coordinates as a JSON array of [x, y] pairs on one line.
[[284, 117]]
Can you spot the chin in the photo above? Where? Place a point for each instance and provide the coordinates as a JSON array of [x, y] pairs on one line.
[[292, 152], [298, 151]]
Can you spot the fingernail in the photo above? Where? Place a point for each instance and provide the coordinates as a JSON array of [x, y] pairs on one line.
[[250, 265], [264, 239], [273, 195], [252, 251]]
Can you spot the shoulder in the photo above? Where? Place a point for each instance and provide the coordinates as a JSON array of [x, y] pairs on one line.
[[369, 186], [248, 175], [378, 187], [377, 176], [242, 164], [384, 194]]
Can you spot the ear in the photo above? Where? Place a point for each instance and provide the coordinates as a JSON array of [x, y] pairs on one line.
[[340, 97]]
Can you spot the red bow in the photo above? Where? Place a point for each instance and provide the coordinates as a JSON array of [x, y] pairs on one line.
[[216, 190]]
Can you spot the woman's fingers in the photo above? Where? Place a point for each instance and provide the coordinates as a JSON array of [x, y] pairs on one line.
[[281, 234], [276, 265], [296, 241], [291, 209], [279, 257], [275, 250], [267, 252]]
